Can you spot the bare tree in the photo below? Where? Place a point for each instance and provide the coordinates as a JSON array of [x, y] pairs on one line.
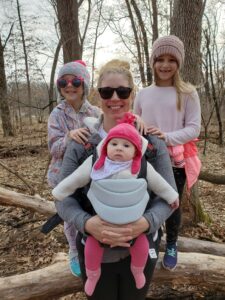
[[4, 106], [186, 23], [137, 42], [25, 60], [51, 87], [145, 41], [67, 13], [155, 32], [71, 38], [212, 74], [98, 32]]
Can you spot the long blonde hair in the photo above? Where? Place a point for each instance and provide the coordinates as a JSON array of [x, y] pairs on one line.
[[116, 66], [181, 87]]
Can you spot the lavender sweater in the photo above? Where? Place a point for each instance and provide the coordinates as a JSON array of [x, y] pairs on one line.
[[62, 119], [157, 107]]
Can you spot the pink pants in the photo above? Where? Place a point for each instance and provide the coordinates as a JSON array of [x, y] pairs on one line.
[[94, 252]]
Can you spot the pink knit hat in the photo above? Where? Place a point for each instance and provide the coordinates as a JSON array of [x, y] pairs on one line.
[[170, 44], [128, 132]]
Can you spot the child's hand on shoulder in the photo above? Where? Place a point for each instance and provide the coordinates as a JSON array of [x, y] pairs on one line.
[[156, 131]]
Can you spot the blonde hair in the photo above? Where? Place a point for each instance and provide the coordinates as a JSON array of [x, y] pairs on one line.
[[181, 87], [116, 66]]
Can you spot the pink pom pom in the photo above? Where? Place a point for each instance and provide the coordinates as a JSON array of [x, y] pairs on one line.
[[128, 118], [80, 62]]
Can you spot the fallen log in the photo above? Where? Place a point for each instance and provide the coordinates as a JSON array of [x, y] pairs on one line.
[[203, 272], [198, 246], [45, 207], [33, 203], [213, 178]]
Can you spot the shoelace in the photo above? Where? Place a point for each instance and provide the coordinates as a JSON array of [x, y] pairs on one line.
[[171, 252]]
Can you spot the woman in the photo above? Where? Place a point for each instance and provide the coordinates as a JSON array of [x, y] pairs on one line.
[[115, 86]]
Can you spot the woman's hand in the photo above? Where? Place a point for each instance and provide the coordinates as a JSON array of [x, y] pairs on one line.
[[110, 234], [141, 126], [136, 228], [80, 135], [156, 131]]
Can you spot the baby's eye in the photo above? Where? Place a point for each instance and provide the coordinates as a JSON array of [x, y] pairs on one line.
[[126, 145], [114, 144]]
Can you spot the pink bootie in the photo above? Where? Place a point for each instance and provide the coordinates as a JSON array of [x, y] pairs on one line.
[[92, 279], [139, 276]]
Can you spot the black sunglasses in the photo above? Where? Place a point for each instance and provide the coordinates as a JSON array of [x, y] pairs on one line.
[[76, 82], [122, 92]]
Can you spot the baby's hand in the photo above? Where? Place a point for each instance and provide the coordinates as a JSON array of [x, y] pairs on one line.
[[80, 135], [175, 204]]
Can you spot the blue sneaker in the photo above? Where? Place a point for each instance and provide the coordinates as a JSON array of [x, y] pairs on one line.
[[169, 261], [74, 264]]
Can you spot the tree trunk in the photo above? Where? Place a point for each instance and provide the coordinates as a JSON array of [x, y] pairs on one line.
[[137, 42], [145, 41], [51, 86], [155, 32], [201, 272], [4, 106], [26, 62], [186, 23], [33, 203], [69, 27]]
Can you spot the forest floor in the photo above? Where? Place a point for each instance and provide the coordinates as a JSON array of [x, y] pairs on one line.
[[23, 248]]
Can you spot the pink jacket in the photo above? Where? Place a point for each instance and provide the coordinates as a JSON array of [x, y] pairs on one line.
[[187, 156]]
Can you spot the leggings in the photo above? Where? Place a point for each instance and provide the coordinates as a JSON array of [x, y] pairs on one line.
[[174, 221], [94, 252], [117, 281]]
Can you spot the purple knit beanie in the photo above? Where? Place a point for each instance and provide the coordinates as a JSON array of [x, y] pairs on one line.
[[171, 45], [76, 68]]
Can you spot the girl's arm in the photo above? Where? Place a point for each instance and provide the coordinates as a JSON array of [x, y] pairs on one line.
[[192, 123], [58, 135]]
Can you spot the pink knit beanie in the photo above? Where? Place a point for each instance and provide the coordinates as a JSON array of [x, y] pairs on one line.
[[170, 44], [128, 132], [76, 68]]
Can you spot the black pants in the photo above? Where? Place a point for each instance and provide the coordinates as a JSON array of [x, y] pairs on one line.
[[174, 221], [116, 281]]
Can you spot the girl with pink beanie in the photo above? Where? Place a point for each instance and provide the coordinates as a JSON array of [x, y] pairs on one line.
[[117, 194], [171, 109]]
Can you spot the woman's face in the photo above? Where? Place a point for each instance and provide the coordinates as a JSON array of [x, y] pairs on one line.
[[115, 107], [72, 94], [165, 68]]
